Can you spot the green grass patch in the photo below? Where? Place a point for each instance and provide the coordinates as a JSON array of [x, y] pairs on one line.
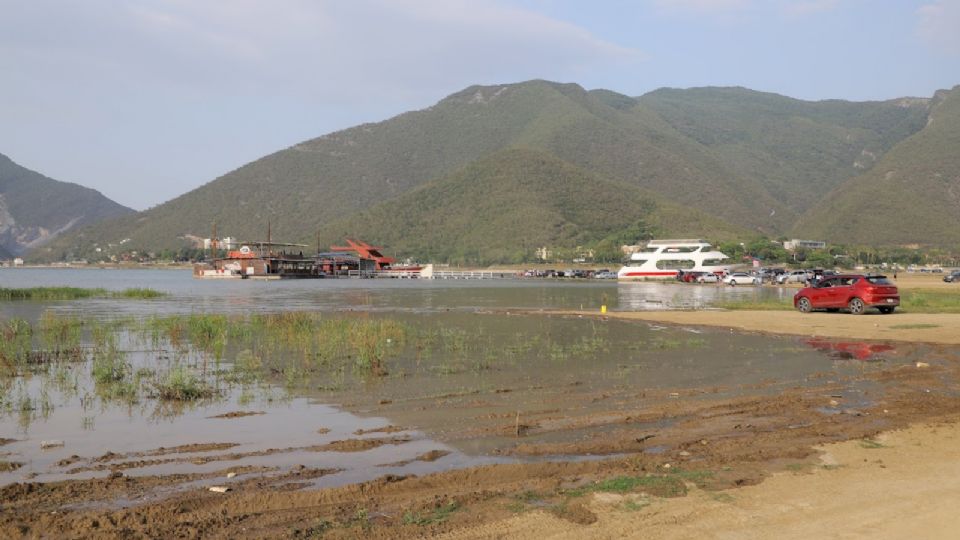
[[757, 305], [672, 484], [918, 326], [929, 301], [74, 293], [437, 515]]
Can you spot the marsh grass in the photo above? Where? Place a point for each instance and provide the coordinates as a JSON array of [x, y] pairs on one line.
[[182, 384], [74, 293], [50, 293], [437, 515], [672, 484], [138, 293]]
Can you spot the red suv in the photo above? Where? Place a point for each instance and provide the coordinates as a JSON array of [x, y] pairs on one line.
[[855, 292]]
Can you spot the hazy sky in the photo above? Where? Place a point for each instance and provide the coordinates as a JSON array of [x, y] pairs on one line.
[[147, 99]]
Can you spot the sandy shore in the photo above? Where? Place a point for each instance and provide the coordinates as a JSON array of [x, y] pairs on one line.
[[903, 486], [942, 328]]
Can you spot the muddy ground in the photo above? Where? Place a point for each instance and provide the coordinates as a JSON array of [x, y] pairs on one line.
[[685, 447]]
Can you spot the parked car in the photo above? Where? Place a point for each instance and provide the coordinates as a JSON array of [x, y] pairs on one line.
[[854, 292], [771, 274], [952, 277], [741, 278], [606, 274], [688, 276], [708, 277], [795, 276]]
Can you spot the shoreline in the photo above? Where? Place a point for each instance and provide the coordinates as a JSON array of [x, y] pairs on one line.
[[932, 328]]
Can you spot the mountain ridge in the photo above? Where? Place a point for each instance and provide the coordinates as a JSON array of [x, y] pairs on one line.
[[753, 161], [35, 209]]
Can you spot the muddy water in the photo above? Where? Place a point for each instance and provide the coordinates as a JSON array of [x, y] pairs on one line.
[[466, 387]]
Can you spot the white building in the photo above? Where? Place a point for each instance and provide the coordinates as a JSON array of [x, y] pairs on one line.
[[805, 244]]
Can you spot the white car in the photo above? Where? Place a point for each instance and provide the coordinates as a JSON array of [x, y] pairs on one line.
[[708, 278], [741, 278], [797, 276]]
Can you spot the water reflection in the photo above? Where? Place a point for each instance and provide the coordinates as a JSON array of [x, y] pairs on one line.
[[640, 296], [849, 350]]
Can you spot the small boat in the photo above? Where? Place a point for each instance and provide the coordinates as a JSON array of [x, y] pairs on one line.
[[664, 259]]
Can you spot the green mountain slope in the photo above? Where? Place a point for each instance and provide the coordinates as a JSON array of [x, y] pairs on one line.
[[751, 160], [796, 150], [35, 209], [912, 195], [504, 206]]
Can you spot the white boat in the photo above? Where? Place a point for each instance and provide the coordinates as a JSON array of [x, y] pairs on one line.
[[663, 259]]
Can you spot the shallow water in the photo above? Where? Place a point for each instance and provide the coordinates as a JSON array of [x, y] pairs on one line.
[[455, 385], [187, 294]]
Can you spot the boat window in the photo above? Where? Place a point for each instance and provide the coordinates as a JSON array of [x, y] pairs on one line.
[[636, 263], [714, 262], [682, 264], [705, 249], [681, 249], [650, 249]]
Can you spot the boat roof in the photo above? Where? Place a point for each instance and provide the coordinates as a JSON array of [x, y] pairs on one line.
[[677, 242]]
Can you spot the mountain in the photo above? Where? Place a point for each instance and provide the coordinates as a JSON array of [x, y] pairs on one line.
[[503, 206], [912, 194], [35, 209], [730, 159], [797, 150]]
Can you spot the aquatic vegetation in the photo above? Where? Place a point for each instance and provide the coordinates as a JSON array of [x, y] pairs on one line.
[[50, 293], [16, 344], [74, 293], [182, 384], [138, 293]]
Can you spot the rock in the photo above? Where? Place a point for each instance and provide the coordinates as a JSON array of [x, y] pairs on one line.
[[684, 453], [231, 474], [52, 443], [219, 489], [834, 403], [923, 365]]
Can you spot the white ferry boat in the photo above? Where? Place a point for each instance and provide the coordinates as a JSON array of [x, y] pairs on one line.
[[662, 259]]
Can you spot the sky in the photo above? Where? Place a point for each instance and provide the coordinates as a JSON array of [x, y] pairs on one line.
[[145, 100]]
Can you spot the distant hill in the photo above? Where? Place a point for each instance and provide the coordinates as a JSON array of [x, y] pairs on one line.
[[35, 209], [912, 194], [797, 150], [730, 159], [503, 206], [4, 254]]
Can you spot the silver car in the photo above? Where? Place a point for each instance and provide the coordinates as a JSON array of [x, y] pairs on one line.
[[741, 278], [796, 276]]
